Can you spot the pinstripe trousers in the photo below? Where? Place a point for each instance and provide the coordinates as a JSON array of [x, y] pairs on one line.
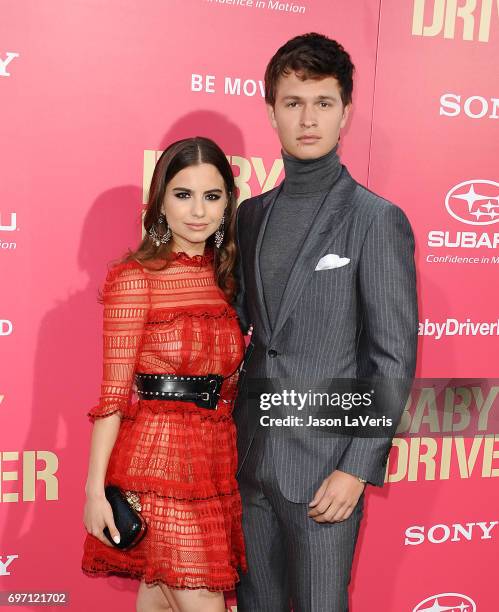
[[294, 562]]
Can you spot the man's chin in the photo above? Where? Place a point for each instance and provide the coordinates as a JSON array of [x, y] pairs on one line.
[[308, 152]]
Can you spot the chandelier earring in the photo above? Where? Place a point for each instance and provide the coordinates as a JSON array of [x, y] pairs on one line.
[[160, 236], [219, 234]]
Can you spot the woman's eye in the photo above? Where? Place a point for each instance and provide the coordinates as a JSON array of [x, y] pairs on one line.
[[213, 196], [182, 195]]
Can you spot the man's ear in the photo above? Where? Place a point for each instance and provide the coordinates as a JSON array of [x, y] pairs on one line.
[[346, 113], [271, 114]]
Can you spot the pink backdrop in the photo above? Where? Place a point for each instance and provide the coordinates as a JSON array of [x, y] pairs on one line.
[[89, 92]]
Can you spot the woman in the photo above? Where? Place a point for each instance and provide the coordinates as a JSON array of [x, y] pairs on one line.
[[167, 312]]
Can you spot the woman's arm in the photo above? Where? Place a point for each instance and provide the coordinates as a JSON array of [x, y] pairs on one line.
[[104, 434], [98, 513], [126, 306]]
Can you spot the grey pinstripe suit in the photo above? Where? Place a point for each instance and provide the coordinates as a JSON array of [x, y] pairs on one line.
[[359, 320]]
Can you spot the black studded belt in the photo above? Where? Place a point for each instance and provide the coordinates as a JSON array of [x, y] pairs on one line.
[[204, 391]]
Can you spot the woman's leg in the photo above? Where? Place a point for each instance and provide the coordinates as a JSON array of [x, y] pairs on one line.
[[152, 598], [197, 600]]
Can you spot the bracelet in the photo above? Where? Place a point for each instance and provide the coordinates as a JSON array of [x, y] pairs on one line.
[[361, 480]]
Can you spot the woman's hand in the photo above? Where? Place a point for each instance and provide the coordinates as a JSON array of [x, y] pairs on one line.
[[98, 515]]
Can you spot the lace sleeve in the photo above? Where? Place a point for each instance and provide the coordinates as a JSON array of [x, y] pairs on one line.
[[126, 305]]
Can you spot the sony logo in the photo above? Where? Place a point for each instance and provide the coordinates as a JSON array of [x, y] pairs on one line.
[[474, 107], [475, 21], [438, 534]]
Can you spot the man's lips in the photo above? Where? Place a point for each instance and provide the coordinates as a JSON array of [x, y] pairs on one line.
[[309, 138]]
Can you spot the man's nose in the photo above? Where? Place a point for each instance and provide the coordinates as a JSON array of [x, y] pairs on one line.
[[308, 117]]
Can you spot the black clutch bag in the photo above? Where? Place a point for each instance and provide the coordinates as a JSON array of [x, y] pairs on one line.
[[127, 518]]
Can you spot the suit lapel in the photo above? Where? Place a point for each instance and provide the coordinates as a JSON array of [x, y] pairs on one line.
[[329, 220], [267, 202]]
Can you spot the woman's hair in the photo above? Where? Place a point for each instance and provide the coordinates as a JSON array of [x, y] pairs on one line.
[[180, 155], [310, 56]]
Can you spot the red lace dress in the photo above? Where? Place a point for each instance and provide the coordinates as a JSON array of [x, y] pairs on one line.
[[180, 458]]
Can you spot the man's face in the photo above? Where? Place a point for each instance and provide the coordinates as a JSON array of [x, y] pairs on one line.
[[308, 115]]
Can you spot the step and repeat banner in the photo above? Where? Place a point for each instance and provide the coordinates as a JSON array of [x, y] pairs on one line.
[[90, 94]]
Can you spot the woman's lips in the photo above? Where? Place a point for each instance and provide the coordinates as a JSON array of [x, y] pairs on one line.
[[197, 226]]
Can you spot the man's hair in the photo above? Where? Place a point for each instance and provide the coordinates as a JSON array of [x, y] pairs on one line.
[[310, 56]]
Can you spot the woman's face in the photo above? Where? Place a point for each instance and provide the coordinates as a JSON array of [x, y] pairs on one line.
[[194, 204]]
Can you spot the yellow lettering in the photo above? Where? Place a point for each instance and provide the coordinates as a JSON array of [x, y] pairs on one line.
[[445, 458], [405, 419], [48, 474], [447, 12], [29, 460], [484, 406], [427, 458], [426, 400], [402, 455], [467, 463], [463, 12], [485, 18], [438, 19], [489, 454], [265, 181], [8, 476], [242, 179], [451, 408]]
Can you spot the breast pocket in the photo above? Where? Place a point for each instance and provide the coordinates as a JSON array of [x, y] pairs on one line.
[[331, 291]]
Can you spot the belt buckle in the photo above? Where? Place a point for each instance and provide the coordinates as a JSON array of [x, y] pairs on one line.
[[211, 397]]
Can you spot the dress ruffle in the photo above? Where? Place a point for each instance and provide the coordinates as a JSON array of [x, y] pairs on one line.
[[188, 545], [193, 260], [205, 311]]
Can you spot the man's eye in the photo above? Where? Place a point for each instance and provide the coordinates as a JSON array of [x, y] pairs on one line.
[[213, 196], [182, 195], [324, 104], [292, 104]]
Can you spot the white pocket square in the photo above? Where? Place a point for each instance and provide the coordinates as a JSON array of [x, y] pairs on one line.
[[331, 260]]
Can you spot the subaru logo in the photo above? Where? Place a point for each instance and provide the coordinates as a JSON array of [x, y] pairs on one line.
[[474, 202], [449, 602]]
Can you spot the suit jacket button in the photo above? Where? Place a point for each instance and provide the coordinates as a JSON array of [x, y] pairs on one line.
[[272, 353]]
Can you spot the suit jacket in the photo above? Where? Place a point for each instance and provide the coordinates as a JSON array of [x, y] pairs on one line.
[[358, 320]]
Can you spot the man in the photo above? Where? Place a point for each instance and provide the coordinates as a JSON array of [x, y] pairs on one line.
[[353, 315]]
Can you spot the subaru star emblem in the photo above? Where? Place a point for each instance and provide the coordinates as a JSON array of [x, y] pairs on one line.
[[446, 602], [474, 202]]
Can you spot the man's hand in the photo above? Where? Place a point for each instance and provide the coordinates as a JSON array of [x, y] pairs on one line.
[[336, 498]]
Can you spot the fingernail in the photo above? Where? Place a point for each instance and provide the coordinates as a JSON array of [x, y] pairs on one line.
[[117, 539]]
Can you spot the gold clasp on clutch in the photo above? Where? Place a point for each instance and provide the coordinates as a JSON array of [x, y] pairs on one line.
[[134, 500]]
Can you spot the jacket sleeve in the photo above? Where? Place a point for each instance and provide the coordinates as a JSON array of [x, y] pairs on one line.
[[387, 352], [240, 300], [126, 306]]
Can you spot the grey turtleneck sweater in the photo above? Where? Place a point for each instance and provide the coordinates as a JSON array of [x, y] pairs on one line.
[[306, 184]]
